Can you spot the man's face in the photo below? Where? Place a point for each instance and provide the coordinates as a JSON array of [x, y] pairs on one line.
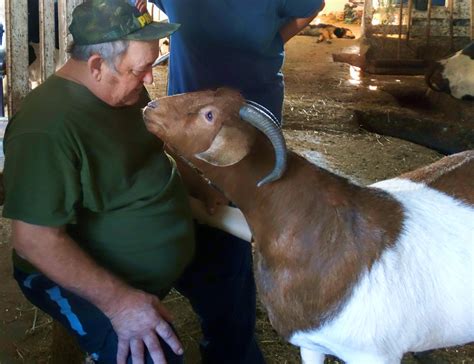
[[133, 70]]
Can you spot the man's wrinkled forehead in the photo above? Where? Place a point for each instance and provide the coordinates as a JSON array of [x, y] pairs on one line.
[[140, 54]]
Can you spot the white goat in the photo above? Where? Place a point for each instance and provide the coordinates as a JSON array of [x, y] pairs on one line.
[[362, 273]]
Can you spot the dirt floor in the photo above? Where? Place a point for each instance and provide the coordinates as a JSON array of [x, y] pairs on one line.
[[320, 123]]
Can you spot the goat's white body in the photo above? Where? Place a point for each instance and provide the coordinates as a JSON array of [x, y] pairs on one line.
[[419, 295]]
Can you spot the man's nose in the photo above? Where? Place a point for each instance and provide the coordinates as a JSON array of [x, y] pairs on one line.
[[148, 77], [153, 104]]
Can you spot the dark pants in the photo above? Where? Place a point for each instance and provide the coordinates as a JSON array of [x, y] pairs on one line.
[[219, 284]]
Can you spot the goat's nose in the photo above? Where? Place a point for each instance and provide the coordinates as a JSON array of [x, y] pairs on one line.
[[153, 104]]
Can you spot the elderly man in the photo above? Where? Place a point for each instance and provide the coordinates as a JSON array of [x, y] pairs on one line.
[[101, 225]]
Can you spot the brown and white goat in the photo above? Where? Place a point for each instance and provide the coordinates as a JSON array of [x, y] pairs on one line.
[[454, 75], [362, 273]]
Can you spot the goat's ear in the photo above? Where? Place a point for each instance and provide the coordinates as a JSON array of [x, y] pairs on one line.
[[229, 147]]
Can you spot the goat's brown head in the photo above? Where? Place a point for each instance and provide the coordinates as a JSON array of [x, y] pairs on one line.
[[208, 125]]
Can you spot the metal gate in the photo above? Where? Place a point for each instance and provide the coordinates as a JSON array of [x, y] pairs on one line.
[[418, 21]]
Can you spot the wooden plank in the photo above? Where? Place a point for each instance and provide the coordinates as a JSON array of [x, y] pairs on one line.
[[409, 16], [472, 19], [16, 12], [65, 8], [47, 38]]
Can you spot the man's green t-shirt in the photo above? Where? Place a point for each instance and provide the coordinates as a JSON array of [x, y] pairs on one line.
[[71, 159]]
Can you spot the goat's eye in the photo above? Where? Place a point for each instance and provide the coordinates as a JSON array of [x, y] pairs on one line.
[[209, 116]]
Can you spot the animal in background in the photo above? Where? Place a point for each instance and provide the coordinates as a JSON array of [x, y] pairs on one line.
[[34, 71], [326, 32], [454, 75], [365, 273]]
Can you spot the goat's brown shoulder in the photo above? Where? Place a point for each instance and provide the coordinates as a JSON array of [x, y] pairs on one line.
[[453, 175]]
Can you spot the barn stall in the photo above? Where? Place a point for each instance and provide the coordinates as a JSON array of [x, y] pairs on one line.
[[329, 109]]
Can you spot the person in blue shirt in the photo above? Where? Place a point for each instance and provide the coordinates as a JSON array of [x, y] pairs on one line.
[[238, 44]]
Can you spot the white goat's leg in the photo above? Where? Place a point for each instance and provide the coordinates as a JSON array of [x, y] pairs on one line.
[[364, 359], [311, 357]]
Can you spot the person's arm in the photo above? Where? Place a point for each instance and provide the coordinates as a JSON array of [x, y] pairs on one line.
[[293, 27], [137, 317]]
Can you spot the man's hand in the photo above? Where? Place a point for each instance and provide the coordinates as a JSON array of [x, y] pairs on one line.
[[138, 319], [141, 5]]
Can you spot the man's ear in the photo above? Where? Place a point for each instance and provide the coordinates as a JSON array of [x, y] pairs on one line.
[[94, 63]]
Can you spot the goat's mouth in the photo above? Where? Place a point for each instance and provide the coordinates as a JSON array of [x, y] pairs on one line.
[[151, 124]]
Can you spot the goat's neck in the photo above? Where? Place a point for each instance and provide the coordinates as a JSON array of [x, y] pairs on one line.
[[302, 182]]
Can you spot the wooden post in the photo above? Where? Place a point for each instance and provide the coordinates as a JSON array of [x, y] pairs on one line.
[[400, 26], [451, 25], [65, 8], [428, 24], [16, 12], [409, 16], [47, 38], [366, 26], [472, 19]]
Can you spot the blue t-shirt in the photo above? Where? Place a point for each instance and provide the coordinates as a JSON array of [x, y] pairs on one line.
[[234, 43]]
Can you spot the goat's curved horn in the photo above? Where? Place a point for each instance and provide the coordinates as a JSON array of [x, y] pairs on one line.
[[267, 123]]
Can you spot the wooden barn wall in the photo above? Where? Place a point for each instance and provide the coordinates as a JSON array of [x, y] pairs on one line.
[[16, 17], [440, 20]]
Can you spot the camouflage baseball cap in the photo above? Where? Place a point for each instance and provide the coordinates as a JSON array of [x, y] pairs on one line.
[[100, 21]]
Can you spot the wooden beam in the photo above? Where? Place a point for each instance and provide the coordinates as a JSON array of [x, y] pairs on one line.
[[47, 38], [16, 12]]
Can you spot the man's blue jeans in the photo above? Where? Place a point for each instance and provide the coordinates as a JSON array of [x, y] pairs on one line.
[[219, 284]]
